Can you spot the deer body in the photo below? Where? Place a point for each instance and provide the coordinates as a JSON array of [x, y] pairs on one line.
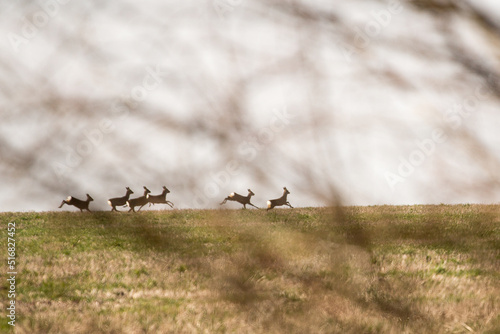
[[240, 199], [82, 205], [139, 201], [279, 201], [120, 201], [160, 199]]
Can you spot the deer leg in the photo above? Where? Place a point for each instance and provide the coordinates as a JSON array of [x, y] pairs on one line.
[[254, 206]]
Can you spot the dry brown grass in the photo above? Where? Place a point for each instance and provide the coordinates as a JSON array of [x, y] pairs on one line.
[[417, 269]]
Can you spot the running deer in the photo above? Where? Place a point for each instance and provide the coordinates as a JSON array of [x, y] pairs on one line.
[[240, 199], [120, 201], [82, 205], [160, 199], [139, 201], [279, 201]]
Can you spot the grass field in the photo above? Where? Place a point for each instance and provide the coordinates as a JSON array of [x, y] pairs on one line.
[[384, 269]]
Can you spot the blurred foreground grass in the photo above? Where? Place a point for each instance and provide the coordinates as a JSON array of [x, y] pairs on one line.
[[385, 269]]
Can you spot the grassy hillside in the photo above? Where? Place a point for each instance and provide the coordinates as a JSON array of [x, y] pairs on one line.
[[413, 269]]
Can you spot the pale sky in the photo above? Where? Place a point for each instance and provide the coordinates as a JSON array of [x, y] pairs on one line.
[[369, 98]]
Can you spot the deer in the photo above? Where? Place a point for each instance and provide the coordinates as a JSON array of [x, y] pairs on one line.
[[120, 201], [139, 201], [279, 201], [240, 199], [160, 199], [82, 205]]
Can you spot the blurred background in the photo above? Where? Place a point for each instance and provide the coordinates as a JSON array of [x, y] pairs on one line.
[[343, 102]]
